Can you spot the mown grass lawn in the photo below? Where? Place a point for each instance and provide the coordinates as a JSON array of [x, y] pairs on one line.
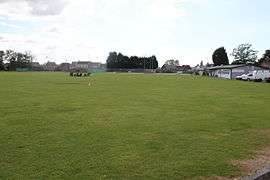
[[128, 126]]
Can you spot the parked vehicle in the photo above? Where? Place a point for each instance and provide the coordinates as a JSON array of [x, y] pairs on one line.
[[247, 77], [267, 77], [259, 75], [256, 76], [241, 77]]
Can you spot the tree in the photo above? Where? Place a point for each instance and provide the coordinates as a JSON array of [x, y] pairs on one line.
[[220, 57], [208, 65], [134, 62], [170, 66], [244, 54], [111, 60], [2, 53], [10, 57], [265, 58], [201, 64], [119, 61], [172, 62], [154, 62], [18, 60]]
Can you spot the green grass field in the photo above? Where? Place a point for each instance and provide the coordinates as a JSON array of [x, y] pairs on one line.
[[128, 126]]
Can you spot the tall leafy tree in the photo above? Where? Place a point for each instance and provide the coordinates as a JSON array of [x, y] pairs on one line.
[[172, 62], [170, 66], [201, 64], [120, 61], [24, 60], [244, 54], [10, 57], [111, 60], [18, 60], [134, 62], [154, 62], [2, 53], [265, 58], [220, 57]]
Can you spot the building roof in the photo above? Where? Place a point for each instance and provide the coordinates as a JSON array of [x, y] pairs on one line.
[[84, 62], [50, 64], [87, 62], [228, 66]]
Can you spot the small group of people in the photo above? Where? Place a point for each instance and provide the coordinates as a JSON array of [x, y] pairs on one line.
[[79, 74]]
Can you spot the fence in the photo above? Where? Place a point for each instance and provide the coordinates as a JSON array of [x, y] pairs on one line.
[[132, 70]]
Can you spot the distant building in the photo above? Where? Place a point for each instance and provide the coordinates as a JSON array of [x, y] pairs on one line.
[[64, 67], [197, 70], [231, 71], [36, 66], [88, 65], [50, 66], [174, 68], [183, 68], [266, 64]]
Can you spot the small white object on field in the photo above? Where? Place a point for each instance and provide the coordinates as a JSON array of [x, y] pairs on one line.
[[89, 84]]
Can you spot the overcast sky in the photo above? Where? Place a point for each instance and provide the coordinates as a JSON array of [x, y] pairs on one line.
[[188, 30]]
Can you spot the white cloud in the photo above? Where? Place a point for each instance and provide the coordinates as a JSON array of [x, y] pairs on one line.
[[46, 7], [83, 29], [25, 9], [5, 24], [167, 9], [13, 8]]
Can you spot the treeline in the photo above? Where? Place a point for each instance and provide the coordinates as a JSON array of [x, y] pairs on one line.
[[243, 54], [265, 58], [11, 60], [119, 61]]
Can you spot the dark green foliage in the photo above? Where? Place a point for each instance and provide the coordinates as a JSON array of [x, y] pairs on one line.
[[244, 54], [220, 57], [265, 58], [172, 62], [119, 61], [2, 53], [16, 59], [170, 66], [201, 64], [111, 60]]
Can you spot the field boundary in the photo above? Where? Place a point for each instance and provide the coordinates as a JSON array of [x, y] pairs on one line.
[[263, 174]]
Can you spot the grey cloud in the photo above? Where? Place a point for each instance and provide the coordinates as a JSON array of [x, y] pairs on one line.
[[54, 30], [51, 47], [31, 42], [3, 40], [42, 7], [46, 7]]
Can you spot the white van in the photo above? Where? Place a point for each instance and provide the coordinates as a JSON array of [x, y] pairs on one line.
[[259, 75]]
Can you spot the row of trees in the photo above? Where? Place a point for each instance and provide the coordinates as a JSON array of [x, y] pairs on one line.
[[2, 60], [265, 58], [15, 60], [243, 54], [173, 66], [119, 61]]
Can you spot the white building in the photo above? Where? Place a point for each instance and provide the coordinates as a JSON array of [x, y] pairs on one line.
[[232, 71], [88, 65]]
